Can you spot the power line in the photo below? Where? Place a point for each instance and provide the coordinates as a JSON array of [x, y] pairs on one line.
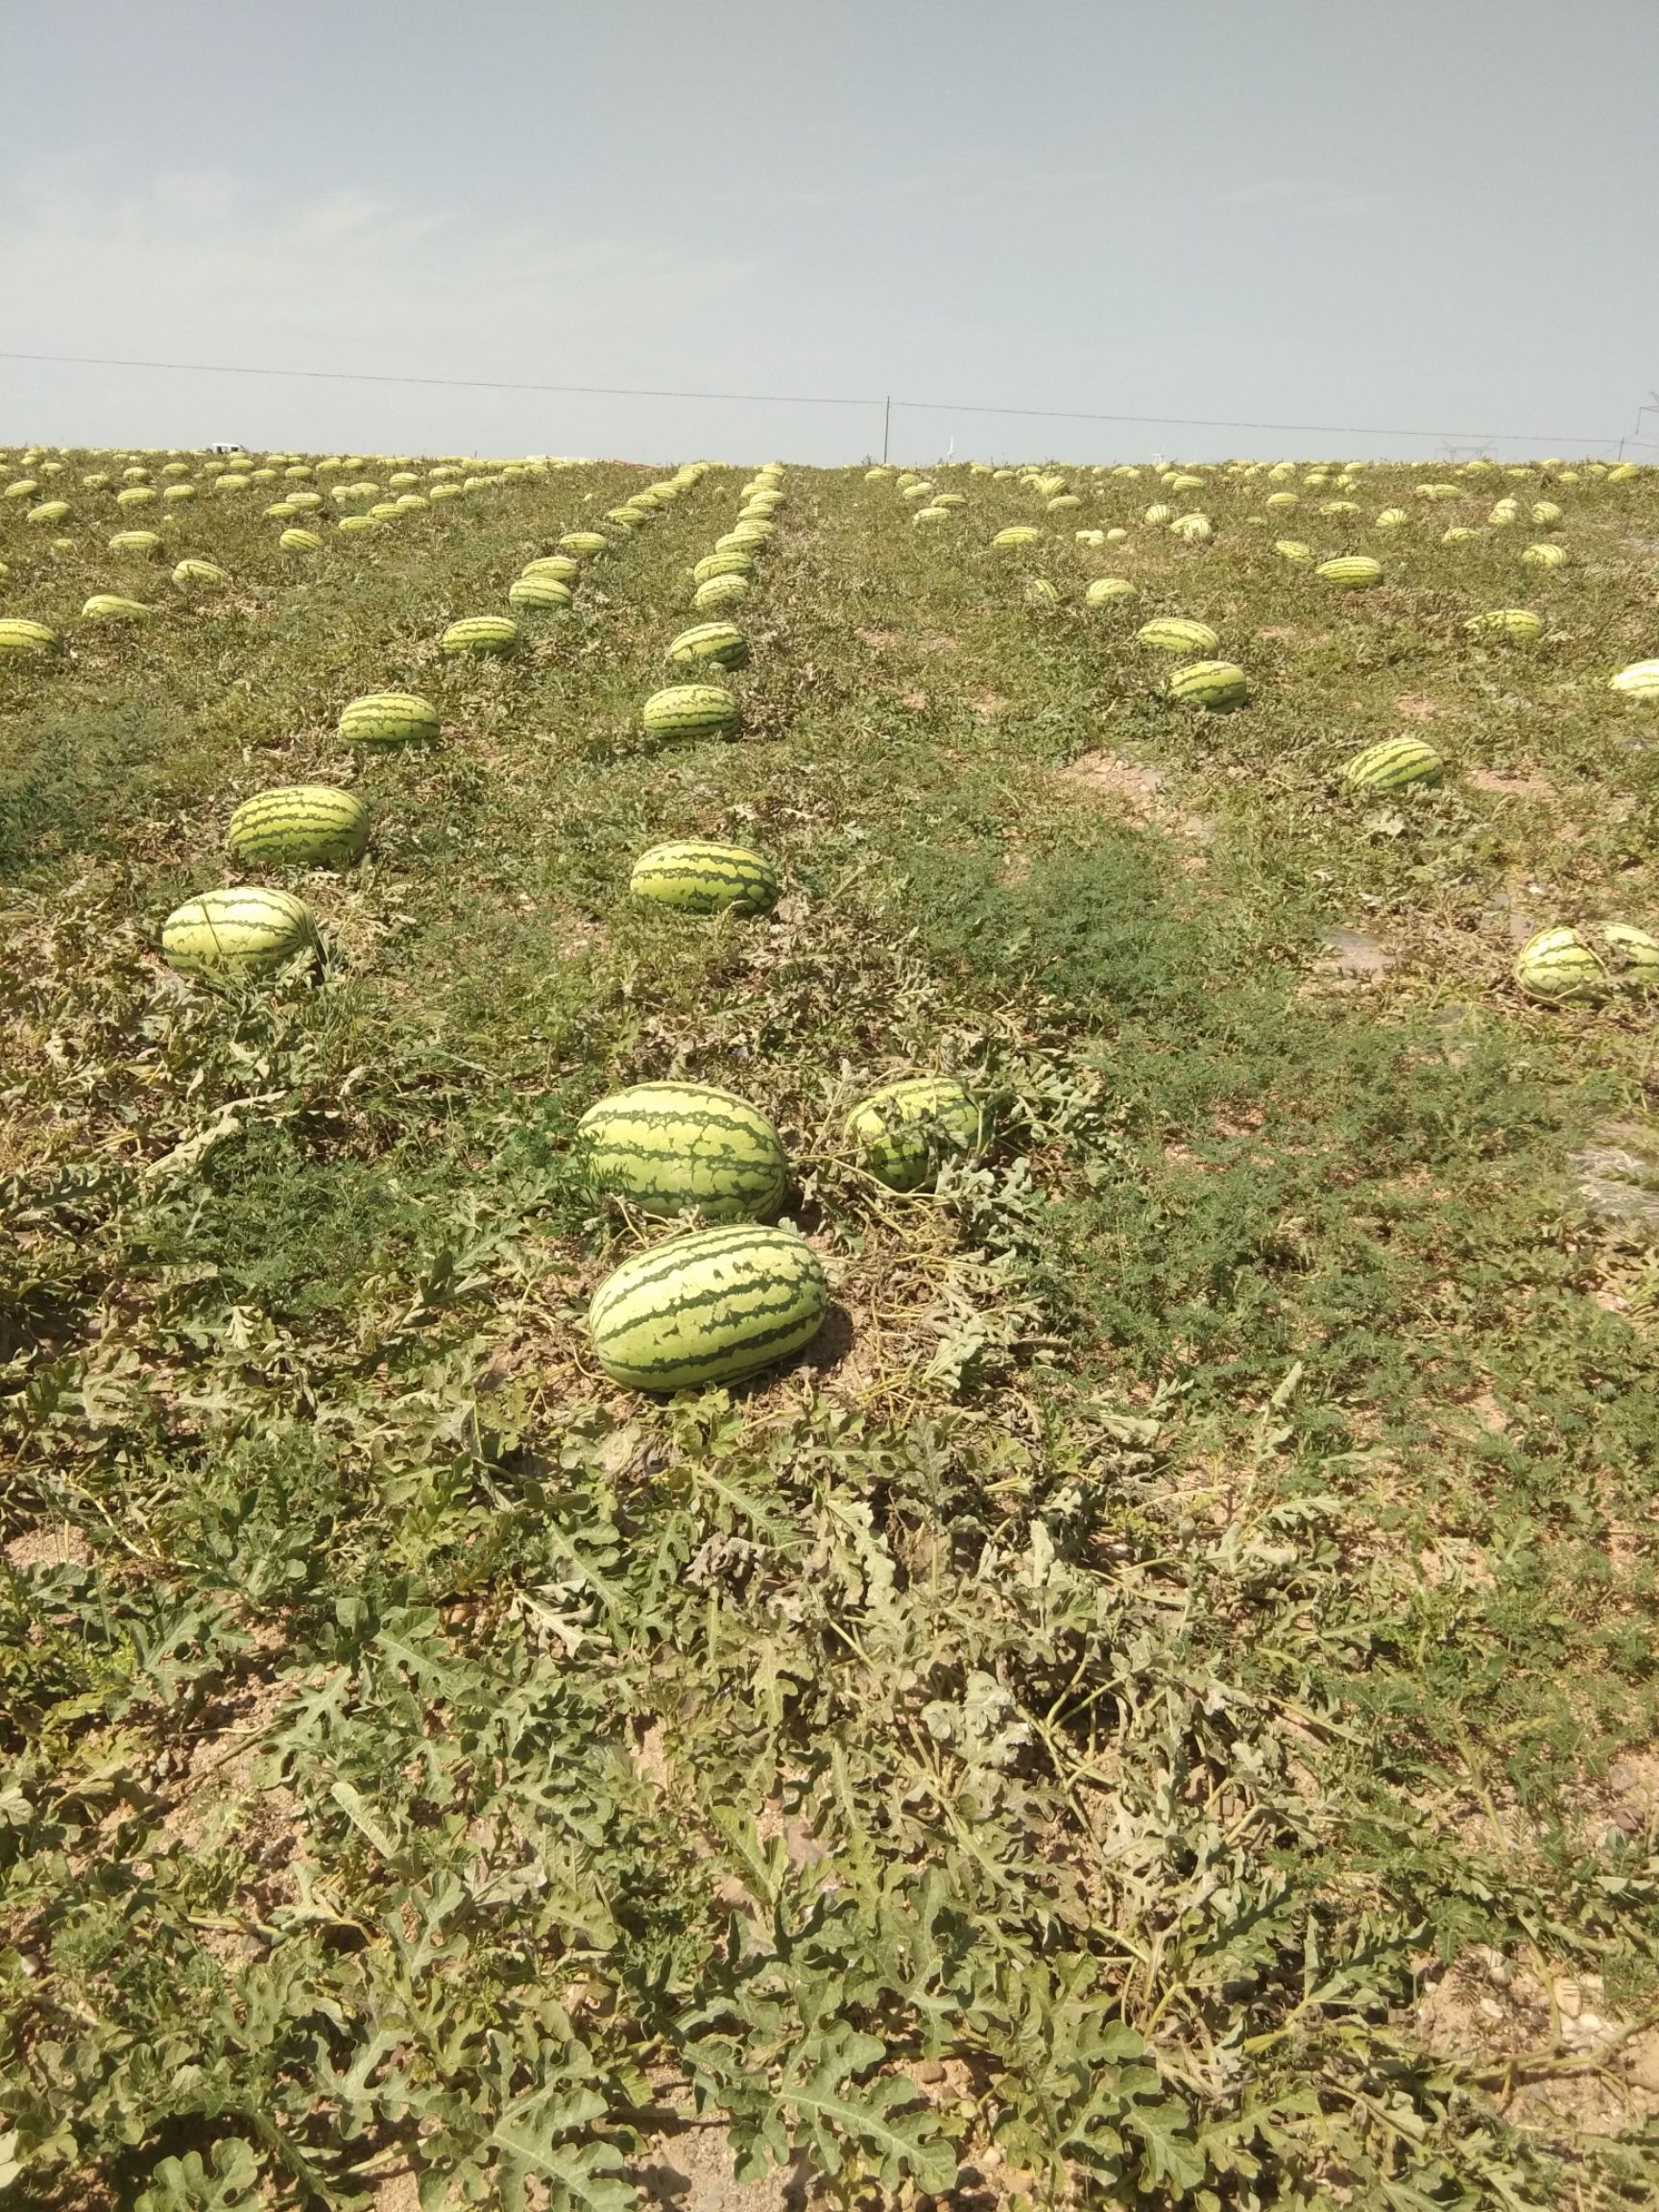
[[818, 400], [450, 383]]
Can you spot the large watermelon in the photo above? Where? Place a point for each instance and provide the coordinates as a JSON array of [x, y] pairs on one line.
[[669, 1147], [238, 935], [903, 1131], [720, 592], [709, 1308], [708, 644], [296, 540], [1017, 533], [389, 718], [111, 607], [489, 636], [1216, 684], [590, 543], [1178, 634], [1517, 623], [21, 640], [1390, 765], [735, 563], [300, 825], [539, 595], [561, 567], [1106, 589], [191, 575], [143, 542], [1352, 571], [698, 876], [692, 711]]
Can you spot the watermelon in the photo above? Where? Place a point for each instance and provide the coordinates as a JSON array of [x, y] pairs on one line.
[[692, 711], [137, 496], [1623, 473], [300, 825], [720, 592], [1193, 528], [1216, 684], [443, 492], [1017, 533], [1457, 536], [143, 542], [1294, 549], [1390, 765], [176, 494], [1177, 633], [190, 573], [733, 563], [1062, 503], [1352, 571], [539, 595], [903, 1131], [1545, 556], [389, 718], [1105, 588], [1391, 518], [300, 541], [21, 641], [1561, 964], [558, 567], [709, 1308], [1088, 537], [669, 1147], [239, 934], [49, 510], [930, 515], [697, 877], [111, 607], [1519, 623], [488, 635], [1277, 502], [353, 525], [1545, 515], [708, 644], [1040, 593], [587, 542], [1158, 513]]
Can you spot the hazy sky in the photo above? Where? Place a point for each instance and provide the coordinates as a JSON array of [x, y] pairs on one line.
[[1432, 214]]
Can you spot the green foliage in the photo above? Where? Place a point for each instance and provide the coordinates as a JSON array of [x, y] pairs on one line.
[[1192, 1603]]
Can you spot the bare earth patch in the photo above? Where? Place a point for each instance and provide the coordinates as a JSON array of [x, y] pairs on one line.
[[1503, 784], [1135, 791], [57, 1546], [1416, 709], [1348, 961]]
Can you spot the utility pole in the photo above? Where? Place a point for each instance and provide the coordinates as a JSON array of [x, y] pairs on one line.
[[886, 422]]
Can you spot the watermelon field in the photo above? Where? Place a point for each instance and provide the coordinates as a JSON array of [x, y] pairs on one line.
[[864, 1417]]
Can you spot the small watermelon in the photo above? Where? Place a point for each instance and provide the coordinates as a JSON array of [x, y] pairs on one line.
[[1215, 685], [1177, 633], [903, 1131], [487, 637], [1352, 571], [1519, 624], [1390, 765], [716, 644]]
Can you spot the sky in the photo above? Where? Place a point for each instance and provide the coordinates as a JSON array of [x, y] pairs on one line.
[[1422, 230]]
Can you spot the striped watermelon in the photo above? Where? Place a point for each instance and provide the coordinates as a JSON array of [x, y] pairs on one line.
[[353, 525], [137, 496], [1545, 556], [111, 607], [720, 592], [1105, 588], [706, 644], [1017, 533], [1519, 623], [1458, 536], [624, 518], [1639, 681], [1040, 593], [587, 542], [709, 1308], [1088, 537], [698, 876], [443, 492], [300, 541], [1193, 528], [1280, 502], [903, 1131], [202, 573], [1390, 765], [559, 567], [672, 1148], [1391, 518], [1216, 684], [21, 640], [1177, 633], [1560, 963], [1352, 571], [491, 637], [1623, 473], [1158, 513], [735, 563], [300, 825], [1545, 515], [539, 595], [49, 510], [744, 538], [389, 718], [143, 542], [692, 711], [1062, 503], [239, 934], [1294, 549]]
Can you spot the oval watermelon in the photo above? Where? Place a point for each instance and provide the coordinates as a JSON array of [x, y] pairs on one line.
[[903, 1130], [698, 876], [300, 825], [238, 935], [389, 718], [692, 711], [709, 1307], [674, 1148]]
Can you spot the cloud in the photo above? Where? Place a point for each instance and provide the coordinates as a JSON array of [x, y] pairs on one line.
[[188, 265], [1269, 188]]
